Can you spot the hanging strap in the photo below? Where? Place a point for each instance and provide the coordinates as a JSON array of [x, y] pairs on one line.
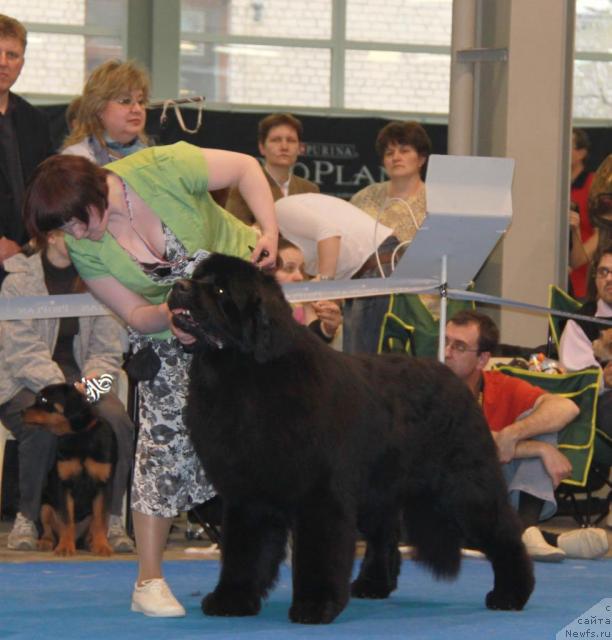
[[199, 100]]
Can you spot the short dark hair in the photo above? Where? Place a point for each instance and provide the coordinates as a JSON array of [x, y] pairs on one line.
[[63, 187], [275, 120], [488, 333], [283, 243], [410, 133]]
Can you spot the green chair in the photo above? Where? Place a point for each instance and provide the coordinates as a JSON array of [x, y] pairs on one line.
[[409, 326], [561, 301], [579, 441]]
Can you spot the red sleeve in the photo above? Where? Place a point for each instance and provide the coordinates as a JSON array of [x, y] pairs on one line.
[[505, 398]]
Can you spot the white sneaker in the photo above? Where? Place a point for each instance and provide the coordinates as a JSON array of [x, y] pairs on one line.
[[23, 535], [538, 549], [118, 539], [154, 598], [587, 544]]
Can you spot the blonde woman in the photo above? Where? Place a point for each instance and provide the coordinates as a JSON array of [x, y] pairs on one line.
[[111, 116]]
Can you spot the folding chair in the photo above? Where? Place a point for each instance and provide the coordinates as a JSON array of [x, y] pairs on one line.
[[409, 326], [578, 441], [561, 301]]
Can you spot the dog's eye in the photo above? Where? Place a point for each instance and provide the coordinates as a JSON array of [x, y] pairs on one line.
[[43, 400], [218, 291]]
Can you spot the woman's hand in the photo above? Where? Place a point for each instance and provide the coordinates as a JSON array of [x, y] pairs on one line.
[[329, 314], [264, 254]]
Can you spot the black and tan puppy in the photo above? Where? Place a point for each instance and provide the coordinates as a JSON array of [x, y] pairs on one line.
[[296, 436], [78, 486]]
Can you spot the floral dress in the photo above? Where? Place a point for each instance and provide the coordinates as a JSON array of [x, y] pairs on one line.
[[168, 475]]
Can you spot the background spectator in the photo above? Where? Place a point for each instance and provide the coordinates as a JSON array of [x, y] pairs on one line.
[[279, 138]]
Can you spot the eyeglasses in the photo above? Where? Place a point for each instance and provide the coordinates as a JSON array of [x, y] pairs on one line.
[[128, 101], [603, 272], [459, 346]]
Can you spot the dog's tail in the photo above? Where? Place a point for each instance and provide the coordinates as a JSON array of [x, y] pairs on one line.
[[437, 540]]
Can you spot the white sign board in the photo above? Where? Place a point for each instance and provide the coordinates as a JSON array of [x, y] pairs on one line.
[[469, 207]]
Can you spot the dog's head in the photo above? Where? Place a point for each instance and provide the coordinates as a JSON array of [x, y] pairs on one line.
[[231, 304], [61, 409]]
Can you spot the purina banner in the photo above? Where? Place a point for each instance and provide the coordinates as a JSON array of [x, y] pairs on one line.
[[339, 151]]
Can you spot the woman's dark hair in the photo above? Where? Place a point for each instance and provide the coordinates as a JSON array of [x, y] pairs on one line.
[[64, 187], [283, 243], [404, 133], [276, 120]]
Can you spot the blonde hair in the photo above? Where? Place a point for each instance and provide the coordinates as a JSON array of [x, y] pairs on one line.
[[111, 80]]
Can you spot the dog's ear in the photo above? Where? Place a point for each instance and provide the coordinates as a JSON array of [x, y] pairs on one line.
[[269, 336]]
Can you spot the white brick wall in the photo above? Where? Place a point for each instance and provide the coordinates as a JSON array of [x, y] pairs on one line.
[[283, 76], [402, 21], [392, 81], [47, 11], [55, 64], [301, 77], [281, 18]]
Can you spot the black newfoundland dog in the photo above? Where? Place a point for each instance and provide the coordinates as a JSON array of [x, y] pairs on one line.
[[298, 437]]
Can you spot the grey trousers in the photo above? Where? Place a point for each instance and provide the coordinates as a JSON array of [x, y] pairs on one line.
[[528, 475], [36, 450]]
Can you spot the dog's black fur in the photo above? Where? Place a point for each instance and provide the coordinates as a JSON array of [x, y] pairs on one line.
[[79, 484], [296, 436]]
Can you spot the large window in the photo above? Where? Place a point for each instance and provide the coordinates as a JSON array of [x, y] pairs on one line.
[[348, 54], [593, 60], [384, 57], [66, 40]]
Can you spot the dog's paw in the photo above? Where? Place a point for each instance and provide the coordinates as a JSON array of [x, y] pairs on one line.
[[370, 589], [65, 548], [228, 603], [101, 548], [504, 601], [309, 612], [45, 544]]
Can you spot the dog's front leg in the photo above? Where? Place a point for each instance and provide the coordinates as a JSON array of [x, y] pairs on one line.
[[98, 539], [100, 472], [253, 539], [67, 470], [48, 520], [66, 528], [323, 553]]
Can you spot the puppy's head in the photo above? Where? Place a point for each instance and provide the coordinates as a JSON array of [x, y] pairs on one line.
[[61, 409], [230, 304]]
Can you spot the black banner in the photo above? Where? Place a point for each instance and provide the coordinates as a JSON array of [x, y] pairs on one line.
[[339, 151]]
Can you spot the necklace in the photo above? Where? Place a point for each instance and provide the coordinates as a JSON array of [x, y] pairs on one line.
[[130, 210], [161, 267]]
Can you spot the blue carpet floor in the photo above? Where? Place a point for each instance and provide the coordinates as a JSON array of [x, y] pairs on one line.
[[91, 601]]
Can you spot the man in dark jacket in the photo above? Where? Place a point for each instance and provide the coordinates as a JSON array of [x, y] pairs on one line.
[[25, 140]]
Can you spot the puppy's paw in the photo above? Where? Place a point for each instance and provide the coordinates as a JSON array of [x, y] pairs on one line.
[[45, 544], [362, 588], [100, 547], [65, 548], [309, 612], [223, 602], [504, 601]]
